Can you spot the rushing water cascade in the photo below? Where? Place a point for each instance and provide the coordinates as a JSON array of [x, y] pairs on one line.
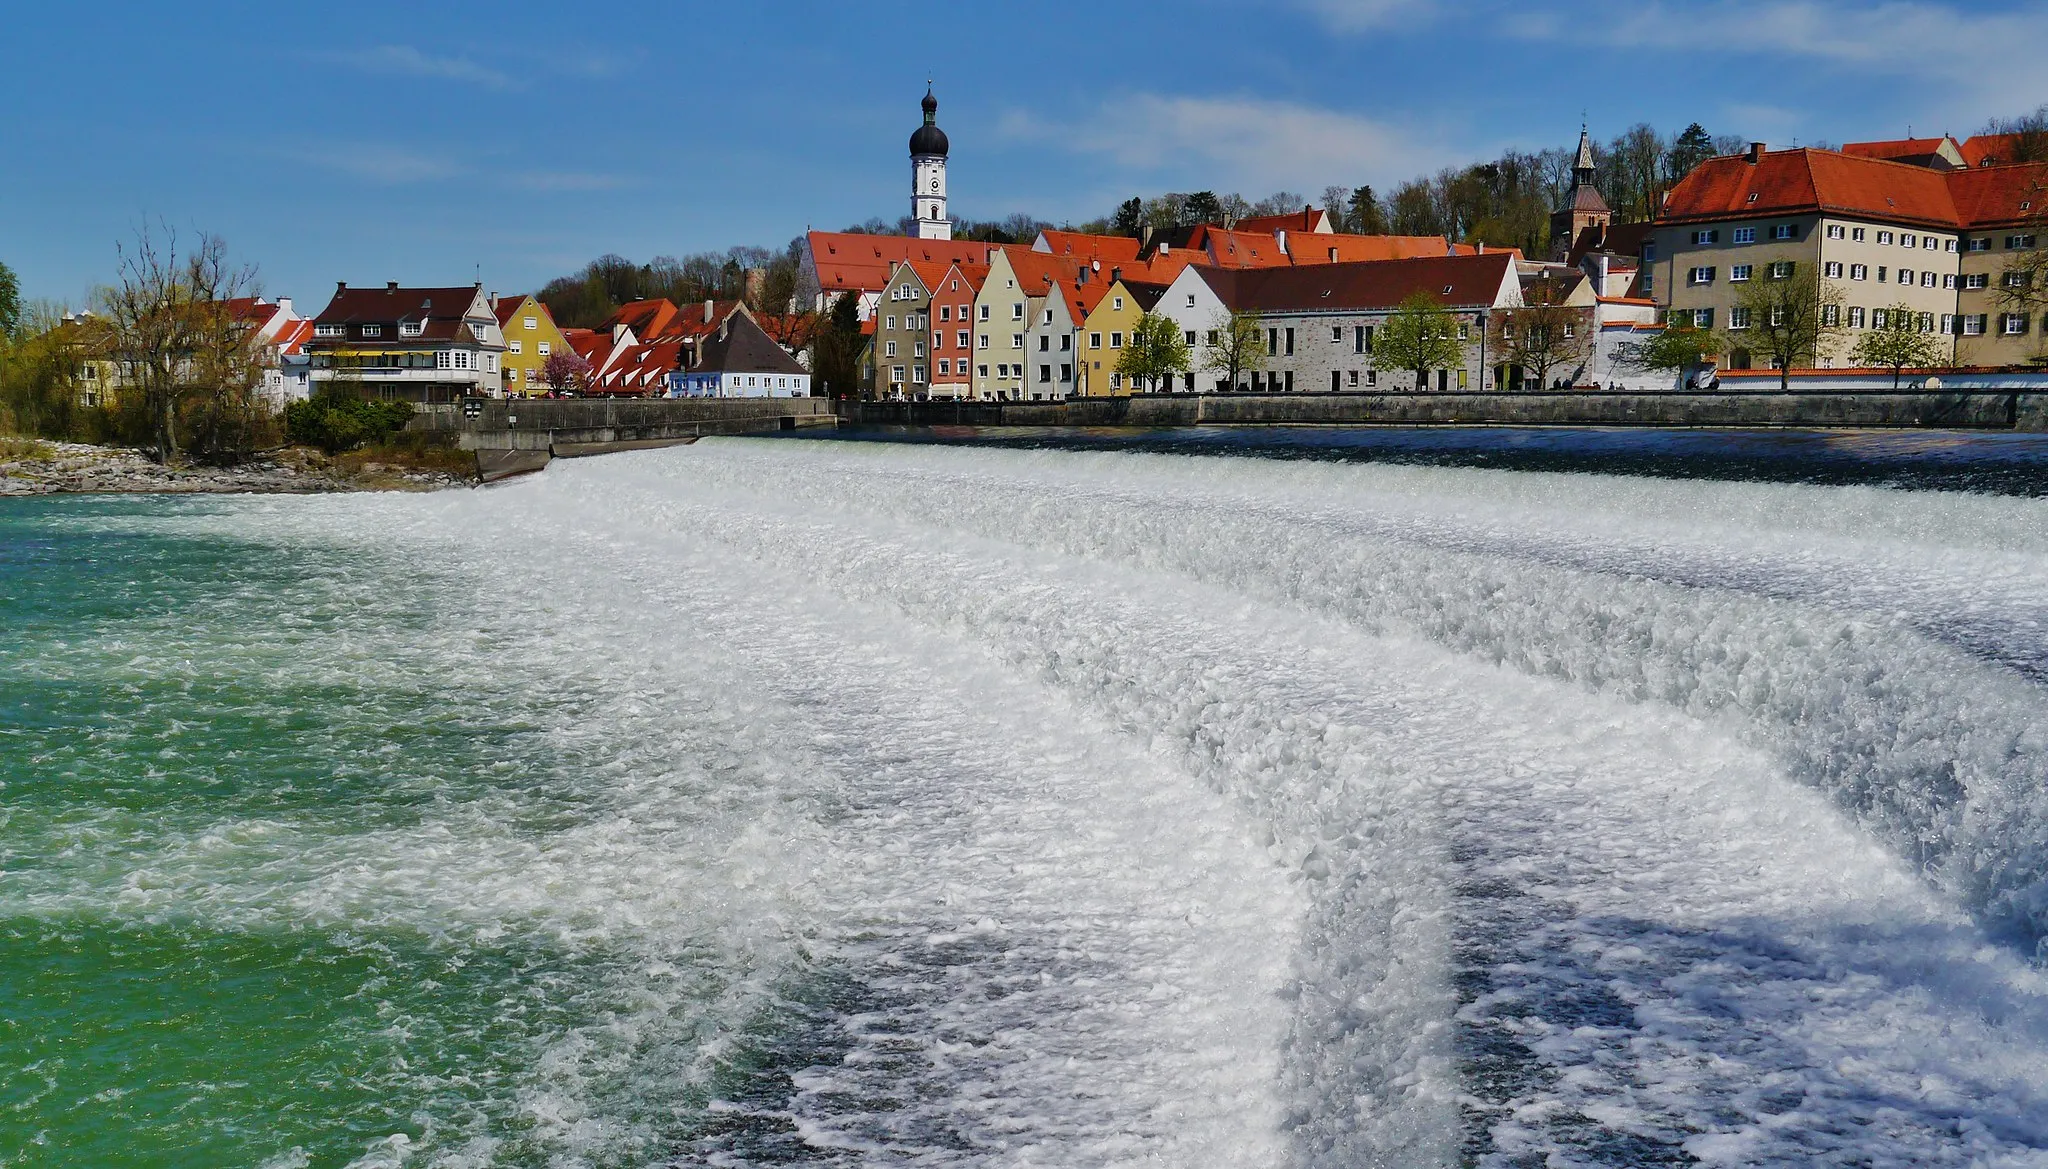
[[771, 802]]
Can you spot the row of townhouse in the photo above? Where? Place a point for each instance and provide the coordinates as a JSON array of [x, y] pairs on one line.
[[443, 344], [1889, 224]]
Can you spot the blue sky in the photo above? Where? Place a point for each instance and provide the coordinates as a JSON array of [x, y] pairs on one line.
[[431, 143]]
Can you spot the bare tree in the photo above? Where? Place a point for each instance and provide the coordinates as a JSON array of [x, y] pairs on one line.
[[2029, 136], [1791, 316], [1544, 334], [167, 327]]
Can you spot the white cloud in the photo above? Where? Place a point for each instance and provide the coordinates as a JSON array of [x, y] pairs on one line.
[[1362, 15], [382, 165], [1987, 61], [408, 61], [1248, 145]]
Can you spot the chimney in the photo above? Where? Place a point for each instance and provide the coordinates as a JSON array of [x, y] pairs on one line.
[[710, 310], [284, 305], [1756, 153], [340, 286], [494, 302], [1115, 274], [390, 286], [1333, 255], [1281, 236], [1482, 247]]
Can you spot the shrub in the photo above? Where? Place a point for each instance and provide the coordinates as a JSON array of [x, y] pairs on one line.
[[337, 423]]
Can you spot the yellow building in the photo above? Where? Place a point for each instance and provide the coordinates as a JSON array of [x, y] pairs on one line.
[[1105, 331], [530, 339]]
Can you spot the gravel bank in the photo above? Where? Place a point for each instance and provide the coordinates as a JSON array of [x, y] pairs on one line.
[[48, 468]]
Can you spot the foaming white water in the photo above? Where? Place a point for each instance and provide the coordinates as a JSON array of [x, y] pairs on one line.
[[1124, 810]]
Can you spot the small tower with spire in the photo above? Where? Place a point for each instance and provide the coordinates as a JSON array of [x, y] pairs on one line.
[[928, 147], [1584, 208]]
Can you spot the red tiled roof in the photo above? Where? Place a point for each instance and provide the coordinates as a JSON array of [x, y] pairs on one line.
[[1805, 180], [1083, 246], [2000, 195], [1989, 149], [1356, 248], [1305, 220], [1377, 285], [852, 261], [1896, 149], [440, 310], [293, 337]]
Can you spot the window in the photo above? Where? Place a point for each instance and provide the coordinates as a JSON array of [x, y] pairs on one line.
[[1703, 318], [1880, 273], [1336, 334], [1290, 342], [462, 359], [1066, 372], [1044, 343], [1094, 340], [982, 370], [1948, 280], [1190, 338], [1700, 276], [1358, 335], [1119, 303], [1045, 375], [514, 346], [1855, 316], [917, 348], [1831, 315], [1859, 271], [1649, 250], [1066, 342], [1116, 340], [1047, 318], [2012, 324], [1785, 231], [542, 348], [1832, 270], [1927, 322], [1464, 333], [1880, 318], [1976, 280], [1272, 342], [1856, 234], [373, 330], [1016, 312], [1116, 381], [2019, 242], [1980, 243], [1777, 316], [1739, 272], [945, 366], [945, 312], [415, 328], [1948, 324], [1906, 239], [1744, 235], [960, 339], [1884, 237], [1837, 231], [889, 349], [892, 321], [330, 330], [2017, 279], [1738, 318], [1002, 369], [1930, 243], [917, 375], [896, 374], [1016, 340], [1973, 326], [1706, 237], [984, 312], [1781, 270], [1191, 300]]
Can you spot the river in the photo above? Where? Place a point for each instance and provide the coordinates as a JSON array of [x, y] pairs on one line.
[[1044, 801]]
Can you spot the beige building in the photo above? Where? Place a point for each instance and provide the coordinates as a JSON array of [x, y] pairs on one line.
[[1882, 233]]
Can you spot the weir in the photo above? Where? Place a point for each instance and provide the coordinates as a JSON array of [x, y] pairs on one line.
[[515, 436], [1964, 409]]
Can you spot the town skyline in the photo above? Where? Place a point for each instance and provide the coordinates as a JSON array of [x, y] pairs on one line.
[[522, 150]]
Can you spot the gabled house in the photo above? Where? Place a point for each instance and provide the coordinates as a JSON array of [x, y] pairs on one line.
[[1307, 221], [1106, 327], [739, 360], [839, 262], [531, 337], [408, 344], [1011, 321], [1320, 321]]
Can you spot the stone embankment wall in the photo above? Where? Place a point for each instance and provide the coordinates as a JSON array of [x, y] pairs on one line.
[[511, 436], [1961, 409]]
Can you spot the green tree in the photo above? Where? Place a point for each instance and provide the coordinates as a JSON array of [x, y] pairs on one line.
[[1130, 218], [1420, 335], [1367, 216], [1898, 344], [10, 304], [1676, 349], [1794, 318], [1202, 207], [835, 354], [1154, 352], [1692, 147], [1238, 348]]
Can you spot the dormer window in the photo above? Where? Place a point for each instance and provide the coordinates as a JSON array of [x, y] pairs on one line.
[[411, 328], [373, 330], [330, 330]]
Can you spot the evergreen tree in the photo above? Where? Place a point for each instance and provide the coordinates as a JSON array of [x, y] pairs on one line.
[[1202, 207], [1692, 147], [10, 303], [1367, 216], [1130, 217]]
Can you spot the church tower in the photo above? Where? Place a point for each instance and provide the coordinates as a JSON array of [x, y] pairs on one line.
[[1585, 209], [928, 148]]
